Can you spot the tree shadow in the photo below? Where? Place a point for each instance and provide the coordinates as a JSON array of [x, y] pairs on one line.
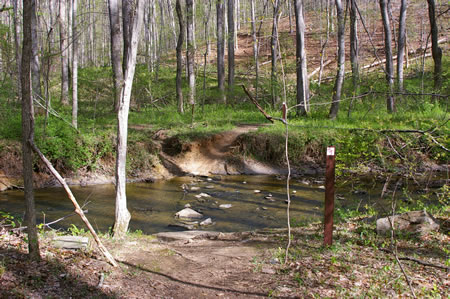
[[49, 278], [194, 284]]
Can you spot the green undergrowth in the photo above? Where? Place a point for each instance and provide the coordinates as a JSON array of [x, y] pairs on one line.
[[358, 136]]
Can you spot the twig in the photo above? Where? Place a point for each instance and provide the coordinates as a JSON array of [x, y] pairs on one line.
[[407, 258]]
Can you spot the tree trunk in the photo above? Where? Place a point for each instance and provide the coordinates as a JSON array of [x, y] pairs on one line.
[[302, 72], [35, 65], [435, 50], [180, 58], [337, 90], [116, 50], [190, 54], [401, 43], [74, 65], [122, 215], [17, 48], [161, 38], [388, 52], [221, 49], [63, 43], [231, 30], [274, 52], [354, 51], [207, 49], [126, 23], [172, 21], [28, 128], [255, 46]]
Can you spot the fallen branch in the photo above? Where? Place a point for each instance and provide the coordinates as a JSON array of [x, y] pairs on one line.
[[50, 223], [257, 104], [78, 209], [407, 258], [318, 69]]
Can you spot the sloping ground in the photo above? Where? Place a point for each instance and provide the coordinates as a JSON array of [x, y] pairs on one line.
[[214, 155]]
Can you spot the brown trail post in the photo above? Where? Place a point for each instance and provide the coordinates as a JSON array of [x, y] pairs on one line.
[[329, 196]]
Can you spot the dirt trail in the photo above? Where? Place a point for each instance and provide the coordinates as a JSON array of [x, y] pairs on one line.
[[217, 155]]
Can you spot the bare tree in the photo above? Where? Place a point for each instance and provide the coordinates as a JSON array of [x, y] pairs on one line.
[[337, 90], [401, 43], [126, 27], [180, 57], [231, 31], [17, 46], [35, 65], [122, 215], [388, 53], [255, 46], [302, 72], [274, 52], [172, 21], [64, 46], [116, 50], [354, 51], [28, 129], [190, 54], [221, 48], [74, 64], [435, 50], [206, 18]]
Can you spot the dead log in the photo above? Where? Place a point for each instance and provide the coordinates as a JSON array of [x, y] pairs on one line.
[[257, 104]]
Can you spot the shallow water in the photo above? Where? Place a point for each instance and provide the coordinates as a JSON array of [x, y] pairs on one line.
[[153, 205]]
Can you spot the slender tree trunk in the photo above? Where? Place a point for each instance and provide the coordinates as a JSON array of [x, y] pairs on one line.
[[388, 51], [180, 58], [337, 90], [172, 21], [255, 46], [122, 215], [17, 48], [207, 49], [64, 53], [435, 49], [74, 64], [302, 72], [116, 50], [401, 43], [28, 128], [190, 54], [231, 30], [274, 52], [35, 65], [354, 52], [220, 7], [161, 38], [126, 23]]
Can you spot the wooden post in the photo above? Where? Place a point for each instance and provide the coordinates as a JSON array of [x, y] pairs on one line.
[[329, 196]]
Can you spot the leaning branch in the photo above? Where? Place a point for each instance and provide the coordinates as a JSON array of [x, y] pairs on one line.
[[78, 209], [407, 258], [257, 104]]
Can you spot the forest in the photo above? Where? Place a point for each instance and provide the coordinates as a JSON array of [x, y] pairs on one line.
[[181, 148]]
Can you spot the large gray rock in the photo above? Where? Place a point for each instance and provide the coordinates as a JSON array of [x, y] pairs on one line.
[[414, 222], [188, 213]]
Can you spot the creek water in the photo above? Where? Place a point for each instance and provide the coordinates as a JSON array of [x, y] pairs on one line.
[[153, 205]]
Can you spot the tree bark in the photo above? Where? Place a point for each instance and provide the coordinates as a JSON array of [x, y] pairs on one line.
[[17, 47], [221, 49], [337, 90], [207, 48], [255, 46], [172, 21], [74, 64], [28, 129], [116, 50], [302, 72], [35, 65], [354, 52], [190, 54], [401, 43], [126, 23], [435, 50], [180, 58], [122, 215], [63, 43], [231, 31], [274, 52], [388, 52]]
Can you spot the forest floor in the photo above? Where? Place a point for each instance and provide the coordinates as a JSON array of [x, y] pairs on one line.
[[231, 265]]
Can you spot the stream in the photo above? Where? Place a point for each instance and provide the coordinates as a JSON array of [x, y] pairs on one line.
[[153, 205]]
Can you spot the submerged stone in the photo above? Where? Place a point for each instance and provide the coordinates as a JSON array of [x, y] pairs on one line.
[[225, 206], [189, 214]]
